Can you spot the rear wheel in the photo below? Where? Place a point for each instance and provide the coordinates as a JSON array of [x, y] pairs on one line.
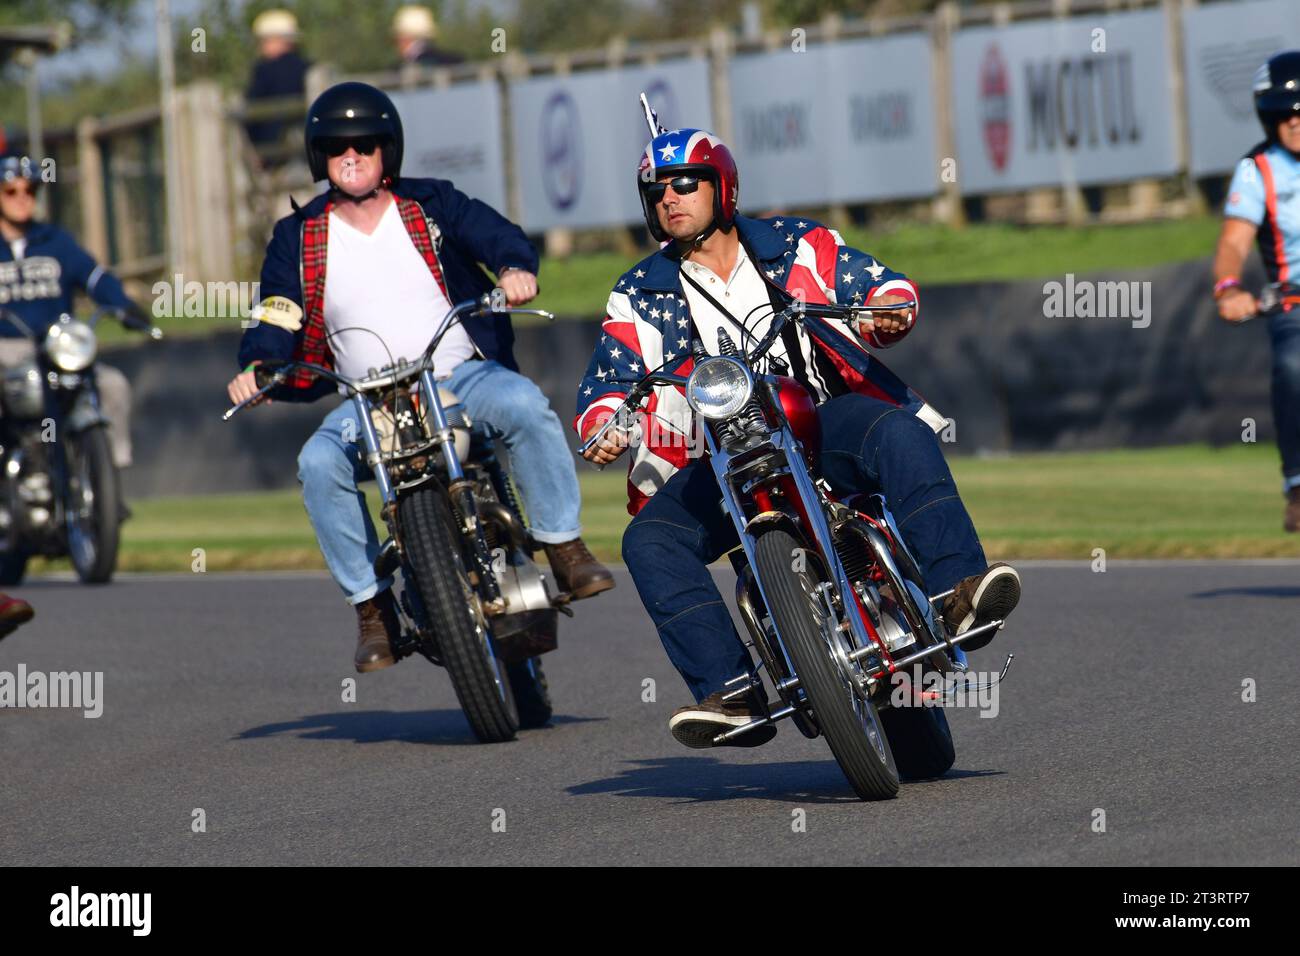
[[532, 694], [847, 718], [920, 740], [92, 517], [433, 552]]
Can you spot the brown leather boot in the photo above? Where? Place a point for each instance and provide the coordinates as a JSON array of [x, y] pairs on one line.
[[378, 626], [1291, 522], [576, 569]]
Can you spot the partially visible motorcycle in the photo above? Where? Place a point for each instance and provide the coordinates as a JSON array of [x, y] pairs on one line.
[[830, 596], [474, 600], [60, 493]]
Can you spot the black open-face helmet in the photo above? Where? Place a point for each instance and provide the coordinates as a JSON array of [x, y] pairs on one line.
[[349, 110], [1277, 91]]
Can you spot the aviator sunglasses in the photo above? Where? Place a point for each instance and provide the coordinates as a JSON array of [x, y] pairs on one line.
[[682, 185]]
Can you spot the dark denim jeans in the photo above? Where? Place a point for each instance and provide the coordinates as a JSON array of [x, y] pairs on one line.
[[1284, 331], [867, 446]]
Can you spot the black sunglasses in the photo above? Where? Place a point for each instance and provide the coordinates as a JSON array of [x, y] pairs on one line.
[[338, 145], [682, 185], [29, 189]]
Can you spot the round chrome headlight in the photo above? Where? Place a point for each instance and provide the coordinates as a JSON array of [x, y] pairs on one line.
[[719, 387], [71, 345]]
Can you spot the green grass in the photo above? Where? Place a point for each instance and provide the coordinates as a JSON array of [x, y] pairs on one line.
[[578, 286], [1183, 502]]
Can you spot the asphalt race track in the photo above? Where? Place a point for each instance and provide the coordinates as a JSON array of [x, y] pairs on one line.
[[224, 693]]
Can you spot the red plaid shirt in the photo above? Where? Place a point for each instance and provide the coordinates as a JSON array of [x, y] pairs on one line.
[[314, 347]]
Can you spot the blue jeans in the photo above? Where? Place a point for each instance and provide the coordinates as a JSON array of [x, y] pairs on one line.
[[1284, 331], [867, 446], [515, 411]]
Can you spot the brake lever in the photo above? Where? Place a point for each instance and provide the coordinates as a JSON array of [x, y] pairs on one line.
[[277, 378]]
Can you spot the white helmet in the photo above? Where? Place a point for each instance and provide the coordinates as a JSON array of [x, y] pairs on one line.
[[275, 23], [414, 21]]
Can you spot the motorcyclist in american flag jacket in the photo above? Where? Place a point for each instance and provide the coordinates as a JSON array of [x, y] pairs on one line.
[[719, 270]]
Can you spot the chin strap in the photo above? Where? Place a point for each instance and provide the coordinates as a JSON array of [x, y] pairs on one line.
[[339, 195], [713, 227]]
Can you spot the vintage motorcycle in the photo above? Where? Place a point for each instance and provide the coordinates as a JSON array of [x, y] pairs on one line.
[[60, 493], [474, 601], [831, 598]]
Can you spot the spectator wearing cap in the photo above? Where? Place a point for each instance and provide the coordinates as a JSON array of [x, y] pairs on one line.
[[414, 31], [279, 72]]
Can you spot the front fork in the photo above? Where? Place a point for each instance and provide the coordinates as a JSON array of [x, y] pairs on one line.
[[809, 502], [459, 487]]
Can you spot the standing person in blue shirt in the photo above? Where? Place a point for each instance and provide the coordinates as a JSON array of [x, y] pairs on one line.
[[40, 267], [1264, 207]]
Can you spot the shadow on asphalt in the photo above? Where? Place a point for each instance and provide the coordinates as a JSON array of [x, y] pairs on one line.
[[444, 727], [707, 779], [1280, 591]]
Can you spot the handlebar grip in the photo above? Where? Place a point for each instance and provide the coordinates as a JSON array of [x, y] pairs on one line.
[[263, 376]]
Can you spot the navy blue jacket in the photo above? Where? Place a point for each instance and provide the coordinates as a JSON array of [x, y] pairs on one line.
[[38, 287], [472, 233]]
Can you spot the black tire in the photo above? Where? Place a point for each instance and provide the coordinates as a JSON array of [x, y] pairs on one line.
[[433, 553], [868, 764], [532, 694], [13, 568], [920, 740], [93, 521]]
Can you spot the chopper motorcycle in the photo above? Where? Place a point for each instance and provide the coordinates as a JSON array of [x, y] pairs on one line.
[[474, 600], [833, 627]]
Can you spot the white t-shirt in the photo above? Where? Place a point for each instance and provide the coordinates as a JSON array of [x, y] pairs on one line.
[[744, 290], [381, 301]]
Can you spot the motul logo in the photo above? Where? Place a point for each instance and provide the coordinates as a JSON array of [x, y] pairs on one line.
[[1083, 101]]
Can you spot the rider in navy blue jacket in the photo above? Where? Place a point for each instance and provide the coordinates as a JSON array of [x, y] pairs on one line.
[[464, 232], [40, 267], [38, 284], [403, 252]]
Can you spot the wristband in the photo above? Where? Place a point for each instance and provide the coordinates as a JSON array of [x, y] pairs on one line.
[[1223, 285]]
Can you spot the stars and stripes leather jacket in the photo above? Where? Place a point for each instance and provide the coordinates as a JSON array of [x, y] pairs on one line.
[[648, 325]]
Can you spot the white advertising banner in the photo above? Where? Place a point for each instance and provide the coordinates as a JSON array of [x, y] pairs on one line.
[[578, 138], [455, 134], [1223, 45], [841, 122], [1082, 100]]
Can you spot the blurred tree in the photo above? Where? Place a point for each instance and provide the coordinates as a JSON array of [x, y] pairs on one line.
[[82, 13]]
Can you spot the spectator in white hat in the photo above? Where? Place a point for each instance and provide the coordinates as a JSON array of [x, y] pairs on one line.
[[279, 72], [414, 30]]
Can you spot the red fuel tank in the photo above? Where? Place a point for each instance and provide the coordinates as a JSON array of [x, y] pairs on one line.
[[801, 412]]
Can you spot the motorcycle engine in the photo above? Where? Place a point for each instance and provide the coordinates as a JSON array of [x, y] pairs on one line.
[[22, 393]]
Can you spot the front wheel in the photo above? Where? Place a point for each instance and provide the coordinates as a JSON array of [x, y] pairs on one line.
[[453, 613], [92, 508], [847, 718]]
